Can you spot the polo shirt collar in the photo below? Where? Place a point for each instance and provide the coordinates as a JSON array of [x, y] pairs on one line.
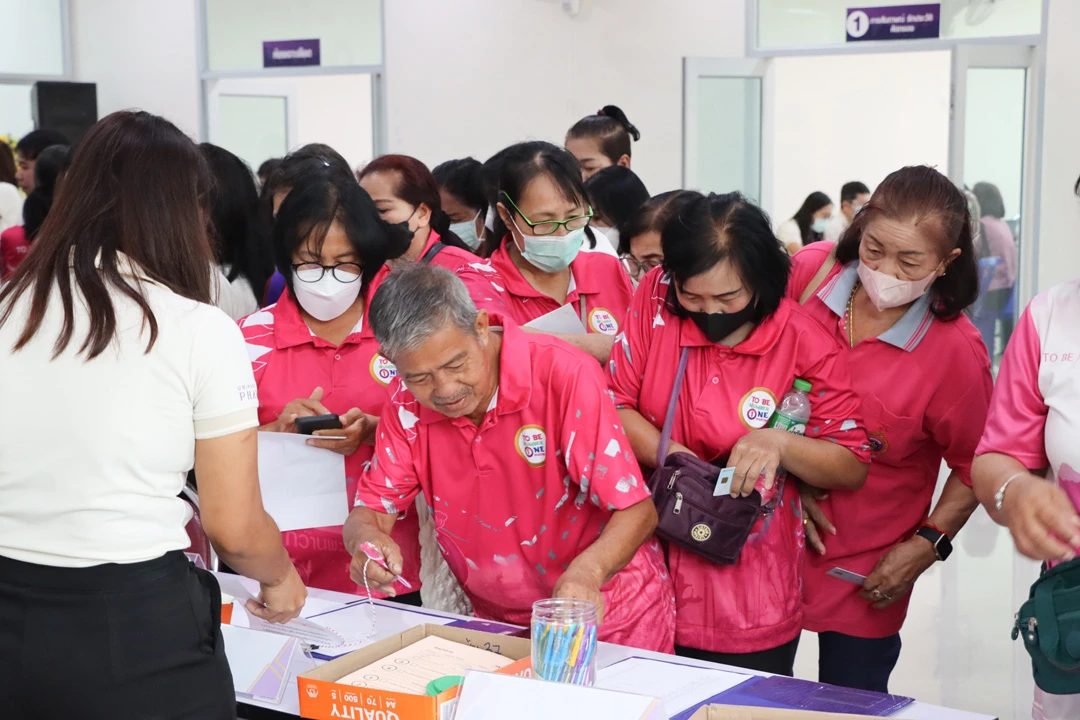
[[515, 375], [908, 331], [581, 280]]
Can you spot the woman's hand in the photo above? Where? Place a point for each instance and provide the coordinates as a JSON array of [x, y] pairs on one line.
[[756, 455], [579, 583], [814, 520], [356, 426], [301, 407], [282, 602], [1042, 519], [897, 571]]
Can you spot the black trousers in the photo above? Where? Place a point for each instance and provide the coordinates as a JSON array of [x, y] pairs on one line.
[[854, 662], [139, 641], [778, 660]]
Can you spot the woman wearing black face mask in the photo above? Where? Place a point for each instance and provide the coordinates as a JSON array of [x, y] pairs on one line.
[[718, 300]]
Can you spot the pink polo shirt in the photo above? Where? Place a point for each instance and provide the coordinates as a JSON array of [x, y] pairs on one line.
[[596, 278], [925, 387], [289, 363], [482, 280], [727, 392], [518, 498]]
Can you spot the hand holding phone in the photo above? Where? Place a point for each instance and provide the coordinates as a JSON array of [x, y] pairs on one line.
[[308, 425]]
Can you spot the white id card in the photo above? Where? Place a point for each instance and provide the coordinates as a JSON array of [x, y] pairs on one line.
[[847, 575], [723, 483]]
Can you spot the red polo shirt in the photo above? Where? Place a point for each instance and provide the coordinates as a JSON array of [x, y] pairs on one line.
[[727, 392], [925, 386], [289, 363], [516, 499], [596, 278]]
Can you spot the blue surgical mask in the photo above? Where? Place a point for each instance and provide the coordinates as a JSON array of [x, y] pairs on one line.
[[551, 253], [820, 225], [467, 232]]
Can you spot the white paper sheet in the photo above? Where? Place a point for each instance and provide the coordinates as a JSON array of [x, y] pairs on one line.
[[679, 686], [353, 624], [302, 486], [564, 320], [259, 661], [486, 696]]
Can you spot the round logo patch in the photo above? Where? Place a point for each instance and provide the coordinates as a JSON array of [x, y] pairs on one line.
[[701, 532], [879, 444], [603, 322], [757, 407], [531, 443], [382, 370]]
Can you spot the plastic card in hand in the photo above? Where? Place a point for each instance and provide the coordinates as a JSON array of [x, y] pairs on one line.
[[846, 575], [496, 697], [413, 667], [723, 483]]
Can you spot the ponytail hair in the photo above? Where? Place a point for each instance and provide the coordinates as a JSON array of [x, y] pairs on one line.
[[611, 128], [416, 186]]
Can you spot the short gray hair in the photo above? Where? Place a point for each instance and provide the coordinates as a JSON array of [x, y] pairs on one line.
[[415, 302]]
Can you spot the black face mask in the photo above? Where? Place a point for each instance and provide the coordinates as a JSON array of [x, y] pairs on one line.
[[717, 326]]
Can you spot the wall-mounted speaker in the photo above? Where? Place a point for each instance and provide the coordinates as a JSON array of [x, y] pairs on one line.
[[69, 107]]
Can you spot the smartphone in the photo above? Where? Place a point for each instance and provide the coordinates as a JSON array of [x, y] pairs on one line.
[[308, 425], [846, 575]]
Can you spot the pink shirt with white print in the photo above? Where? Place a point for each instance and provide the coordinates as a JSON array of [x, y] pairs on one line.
[[1035, 414]]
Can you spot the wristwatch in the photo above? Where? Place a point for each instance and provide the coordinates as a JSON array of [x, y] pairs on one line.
[[941, 542]]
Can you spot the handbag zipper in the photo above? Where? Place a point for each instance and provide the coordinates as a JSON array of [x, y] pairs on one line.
[[671, 482], [678, 504]]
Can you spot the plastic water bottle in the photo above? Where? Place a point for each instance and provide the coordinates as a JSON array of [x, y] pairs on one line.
[[794, 410]]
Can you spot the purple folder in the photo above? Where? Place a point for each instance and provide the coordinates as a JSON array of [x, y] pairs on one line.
[[791, 694]]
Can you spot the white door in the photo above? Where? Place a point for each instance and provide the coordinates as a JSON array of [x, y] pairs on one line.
[[727, 125], [254, 119]]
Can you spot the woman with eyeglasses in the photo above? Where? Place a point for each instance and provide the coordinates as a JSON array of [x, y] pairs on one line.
[[313, 352], [543, 218], [639, 238]]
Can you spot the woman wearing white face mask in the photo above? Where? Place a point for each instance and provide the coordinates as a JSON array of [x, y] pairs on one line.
[[461, 189], [809, 223], [894, 293], [543, 215], [313, 353], [616, 193]]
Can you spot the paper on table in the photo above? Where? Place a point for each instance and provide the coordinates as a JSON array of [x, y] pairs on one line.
[[564, 320], [680, 686], [302, 486], [259, 662], [306, 630], [410, 669], [485, 696], [353, 623]]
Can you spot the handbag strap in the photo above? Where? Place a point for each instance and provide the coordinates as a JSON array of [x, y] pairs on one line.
[[1044, 612], [669, 419], [432, 252], [819, 276]]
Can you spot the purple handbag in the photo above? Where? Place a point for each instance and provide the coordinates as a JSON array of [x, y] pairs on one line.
[[715, 528]]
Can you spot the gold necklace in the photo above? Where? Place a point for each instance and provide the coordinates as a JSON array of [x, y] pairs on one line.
[[851, 315]]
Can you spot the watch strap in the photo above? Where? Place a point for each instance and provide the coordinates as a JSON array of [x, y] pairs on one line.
[[941, 542]]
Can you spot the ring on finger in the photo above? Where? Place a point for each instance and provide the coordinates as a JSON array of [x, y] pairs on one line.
[[877, 594]]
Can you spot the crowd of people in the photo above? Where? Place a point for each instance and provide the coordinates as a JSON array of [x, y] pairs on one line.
[[411, 304]]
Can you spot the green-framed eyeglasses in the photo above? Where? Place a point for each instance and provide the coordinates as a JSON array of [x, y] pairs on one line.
[[550, 227]]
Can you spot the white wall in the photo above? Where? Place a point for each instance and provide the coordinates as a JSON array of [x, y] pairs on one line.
[[141, 54], [471, 76], [855, 117]]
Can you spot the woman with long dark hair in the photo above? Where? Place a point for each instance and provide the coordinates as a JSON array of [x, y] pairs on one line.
[[808, 225], [49, 167], [107, 338], [893, 293]]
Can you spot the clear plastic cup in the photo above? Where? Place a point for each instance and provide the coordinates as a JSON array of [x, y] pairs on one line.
[[564, 641]]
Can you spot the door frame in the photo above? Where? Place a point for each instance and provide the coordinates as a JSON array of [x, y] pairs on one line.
[[250, 88], [695, 68]]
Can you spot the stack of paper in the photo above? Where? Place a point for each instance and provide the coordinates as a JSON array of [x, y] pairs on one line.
[[410, 669], [259, 662]]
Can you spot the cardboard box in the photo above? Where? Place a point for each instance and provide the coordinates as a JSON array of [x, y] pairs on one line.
[[323, 698], [731, 712]]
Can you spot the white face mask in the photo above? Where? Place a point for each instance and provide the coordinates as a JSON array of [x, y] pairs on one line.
[[612, 235], [467, 232], [327, 298]]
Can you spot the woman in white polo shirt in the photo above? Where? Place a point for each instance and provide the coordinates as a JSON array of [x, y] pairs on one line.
[[117, 377]]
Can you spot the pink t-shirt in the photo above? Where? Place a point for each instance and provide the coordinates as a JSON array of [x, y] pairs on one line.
[[1035, 414], [519, 497]]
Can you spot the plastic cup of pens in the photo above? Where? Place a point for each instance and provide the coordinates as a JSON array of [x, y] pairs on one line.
[[564, 641]]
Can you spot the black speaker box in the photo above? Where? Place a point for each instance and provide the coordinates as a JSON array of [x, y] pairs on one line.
[[69, 107]]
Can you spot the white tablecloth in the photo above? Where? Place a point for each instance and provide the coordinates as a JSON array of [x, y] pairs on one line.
[[607, 654]]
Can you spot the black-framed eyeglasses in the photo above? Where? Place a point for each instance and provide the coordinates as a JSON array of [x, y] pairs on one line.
[[313, 272]]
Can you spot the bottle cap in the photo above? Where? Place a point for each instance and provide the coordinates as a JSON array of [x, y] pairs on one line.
[[801, 384], [441, 685]]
